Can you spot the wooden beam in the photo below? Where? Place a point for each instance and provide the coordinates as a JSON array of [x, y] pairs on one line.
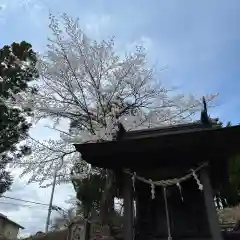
[[128, 208], [210, 206]]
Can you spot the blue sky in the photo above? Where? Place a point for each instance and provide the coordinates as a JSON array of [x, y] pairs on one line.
[[197, 42]]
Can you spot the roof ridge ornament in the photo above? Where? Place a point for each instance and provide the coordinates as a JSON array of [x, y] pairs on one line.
[[120, 131], [205, 118]]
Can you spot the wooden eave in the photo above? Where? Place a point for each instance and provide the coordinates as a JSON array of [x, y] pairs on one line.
[[181, 144]]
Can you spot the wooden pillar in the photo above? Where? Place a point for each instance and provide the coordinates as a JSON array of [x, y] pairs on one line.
[[210, 206], [128, 208]]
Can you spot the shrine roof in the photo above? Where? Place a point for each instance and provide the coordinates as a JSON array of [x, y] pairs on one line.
[[165, 130], [163, 146]]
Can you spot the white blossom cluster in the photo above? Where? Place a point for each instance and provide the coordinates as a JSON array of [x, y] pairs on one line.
[[88, 84]]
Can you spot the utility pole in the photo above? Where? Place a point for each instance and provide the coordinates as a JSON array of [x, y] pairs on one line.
[[50, 203], [50, 207]]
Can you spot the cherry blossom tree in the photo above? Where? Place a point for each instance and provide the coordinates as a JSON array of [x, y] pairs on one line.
[[64, 220], [90, 87]]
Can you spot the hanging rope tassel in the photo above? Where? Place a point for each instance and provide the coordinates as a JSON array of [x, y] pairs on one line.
[[167, 213], [133, 181], [180, 190], [152, 189], [200, 186]]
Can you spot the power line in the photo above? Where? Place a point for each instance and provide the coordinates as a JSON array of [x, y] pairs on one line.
[[22, 205], [23, 200], [58, 209], [53, 207]]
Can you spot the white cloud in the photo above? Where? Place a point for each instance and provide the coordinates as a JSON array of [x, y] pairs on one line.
[[2, 7], [144, 41], [33, 216], [30, 216]]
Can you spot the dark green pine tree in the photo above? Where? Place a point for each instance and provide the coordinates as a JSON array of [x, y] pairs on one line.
[[17, 70]]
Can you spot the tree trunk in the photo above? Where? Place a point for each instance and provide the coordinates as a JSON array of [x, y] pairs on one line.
[[107, 201]]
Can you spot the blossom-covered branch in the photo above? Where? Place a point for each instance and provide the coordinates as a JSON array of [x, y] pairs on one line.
[[88, 84]]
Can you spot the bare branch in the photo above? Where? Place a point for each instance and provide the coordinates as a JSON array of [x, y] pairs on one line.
[[89, 85]]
